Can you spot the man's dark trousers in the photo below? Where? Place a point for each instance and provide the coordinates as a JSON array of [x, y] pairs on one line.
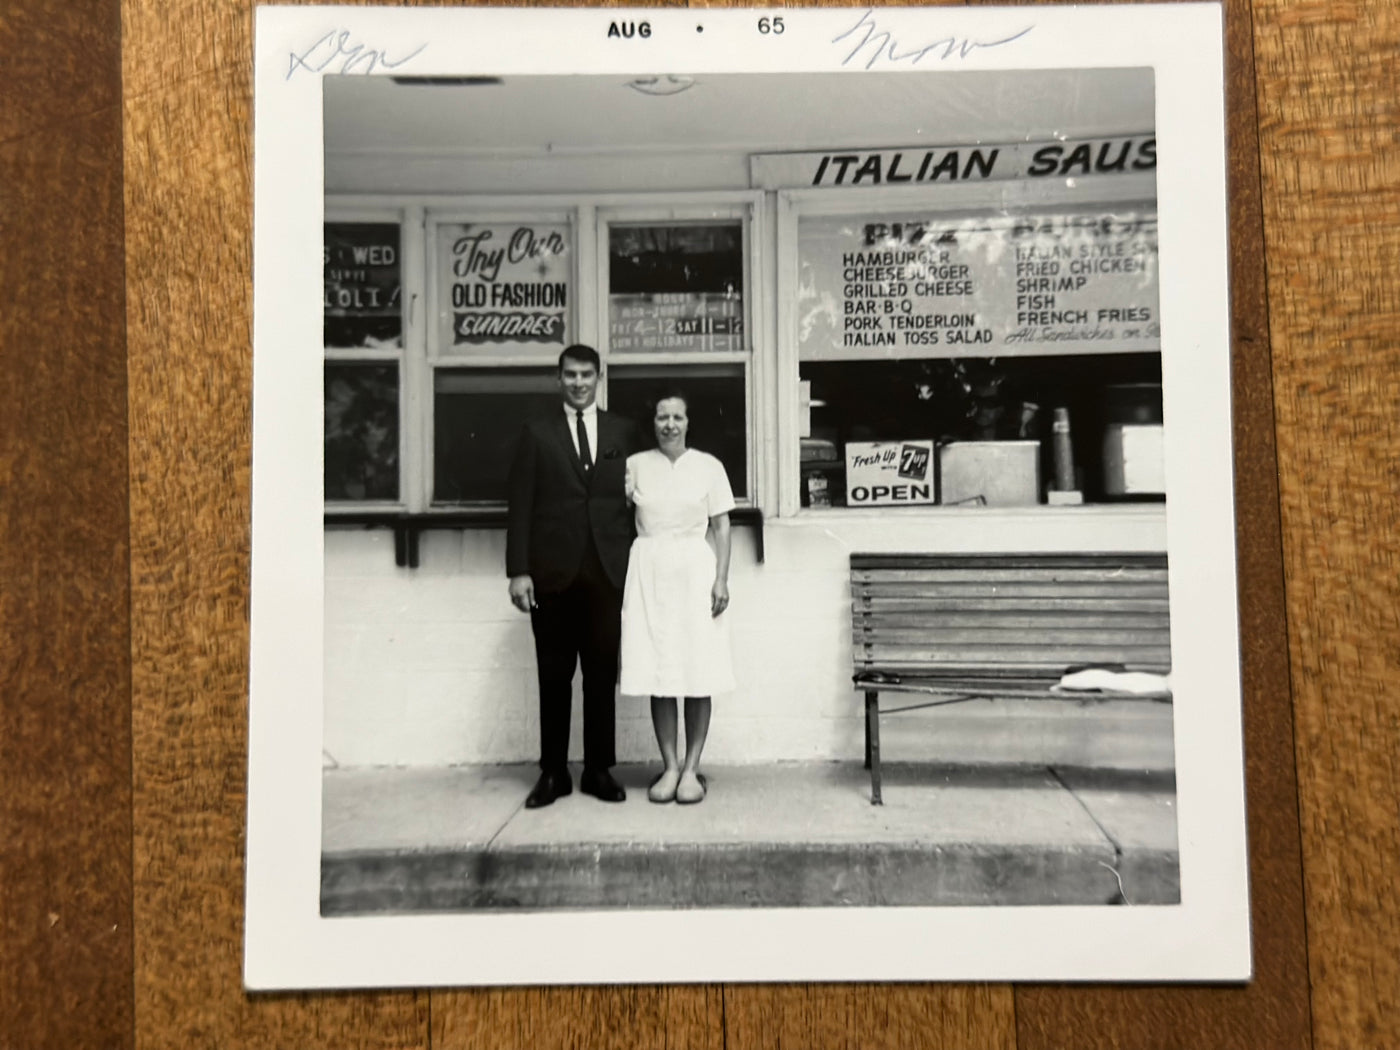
[[581, 623]]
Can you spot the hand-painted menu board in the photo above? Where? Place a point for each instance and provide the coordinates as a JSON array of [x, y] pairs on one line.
[[1055, 282], [362, 285], [503, 286], [676, 287]]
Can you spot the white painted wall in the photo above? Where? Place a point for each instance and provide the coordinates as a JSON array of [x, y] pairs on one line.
[[433, 666]]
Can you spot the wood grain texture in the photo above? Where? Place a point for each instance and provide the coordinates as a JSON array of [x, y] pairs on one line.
[[1273, 1010], [65, 729], [596, 1018], [1329, 123], [61, 63], [856, 1016], [188, 242]]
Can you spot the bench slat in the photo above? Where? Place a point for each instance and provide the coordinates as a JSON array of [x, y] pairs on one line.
[[952, 680], [872, 577], [1015, 589], [1044, 676], [1049, 620], [1017, 603], [1007, 688], [1042, 655], [1091, 560], [999, 635], [1051, 669]]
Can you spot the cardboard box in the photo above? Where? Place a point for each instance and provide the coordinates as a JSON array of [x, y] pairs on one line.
[[1133, 461], [990, 473]]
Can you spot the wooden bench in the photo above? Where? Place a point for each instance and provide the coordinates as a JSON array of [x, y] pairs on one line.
[[964, 627]]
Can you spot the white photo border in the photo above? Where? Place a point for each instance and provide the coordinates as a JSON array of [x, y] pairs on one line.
[[289, 945]]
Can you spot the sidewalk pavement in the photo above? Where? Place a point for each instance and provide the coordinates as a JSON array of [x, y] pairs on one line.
[[780, 835]]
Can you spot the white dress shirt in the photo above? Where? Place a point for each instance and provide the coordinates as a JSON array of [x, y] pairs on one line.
[[590, 424]]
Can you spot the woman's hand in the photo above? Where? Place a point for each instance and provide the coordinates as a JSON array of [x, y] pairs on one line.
[[718, 535], [719, 597]]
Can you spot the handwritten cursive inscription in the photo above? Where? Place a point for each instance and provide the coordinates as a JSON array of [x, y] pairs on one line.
[[881, 44], [340, 46]]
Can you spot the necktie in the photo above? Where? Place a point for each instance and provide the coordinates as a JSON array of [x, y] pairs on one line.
[[584, 453]]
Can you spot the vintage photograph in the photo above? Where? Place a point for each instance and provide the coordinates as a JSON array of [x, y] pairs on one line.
[[752, 477], [745, 490]]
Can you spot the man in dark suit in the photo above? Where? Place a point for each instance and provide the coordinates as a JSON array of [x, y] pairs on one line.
[[567, 540]]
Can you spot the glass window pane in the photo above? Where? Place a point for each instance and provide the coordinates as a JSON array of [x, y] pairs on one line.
[[676, 287], [362, 285], [503, 286], [477, 414], [943, 401], [714, 402], [362, 431]]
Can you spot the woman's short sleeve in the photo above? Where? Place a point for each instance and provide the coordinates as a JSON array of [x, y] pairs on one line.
[[720, 497], [629, 480]]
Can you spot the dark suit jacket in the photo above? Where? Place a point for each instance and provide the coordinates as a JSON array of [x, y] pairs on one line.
[[555, 506]]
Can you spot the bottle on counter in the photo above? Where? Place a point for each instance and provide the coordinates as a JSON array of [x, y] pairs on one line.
[[1064, 491]]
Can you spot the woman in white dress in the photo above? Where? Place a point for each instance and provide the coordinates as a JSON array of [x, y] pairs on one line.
[[675, 636]]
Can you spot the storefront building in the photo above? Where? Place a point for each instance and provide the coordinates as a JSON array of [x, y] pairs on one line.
[[897, 336]]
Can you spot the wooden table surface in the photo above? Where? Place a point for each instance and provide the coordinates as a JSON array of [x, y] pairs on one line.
[[125, 245]]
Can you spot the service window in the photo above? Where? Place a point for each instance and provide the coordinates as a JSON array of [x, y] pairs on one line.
[[503, 290], [978, 359], [677, 307], [364, 348]]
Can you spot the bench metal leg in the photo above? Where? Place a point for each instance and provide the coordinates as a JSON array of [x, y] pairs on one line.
[[872, 743], [867, 732]]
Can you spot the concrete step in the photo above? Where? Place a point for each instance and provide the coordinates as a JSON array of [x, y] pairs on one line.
[[798, 834]]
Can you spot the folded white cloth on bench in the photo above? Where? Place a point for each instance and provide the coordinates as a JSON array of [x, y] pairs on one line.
[[1102, 679]]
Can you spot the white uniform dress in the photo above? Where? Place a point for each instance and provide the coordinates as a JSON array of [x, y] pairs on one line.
[[671, 645]]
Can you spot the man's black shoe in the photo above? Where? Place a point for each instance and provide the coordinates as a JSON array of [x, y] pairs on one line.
[[549, 787], [600, 784]]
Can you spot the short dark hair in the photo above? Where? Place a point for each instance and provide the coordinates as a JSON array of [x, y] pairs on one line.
[[670, 393], [583, 355]]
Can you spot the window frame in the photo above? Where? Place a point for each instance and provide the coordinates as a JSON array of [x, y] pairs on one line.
[[491, 210], [698, 208], [378, 214]]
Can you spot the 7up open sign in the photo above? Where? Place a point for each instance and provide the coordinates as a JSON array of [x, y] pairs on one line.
[[889, 473]]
